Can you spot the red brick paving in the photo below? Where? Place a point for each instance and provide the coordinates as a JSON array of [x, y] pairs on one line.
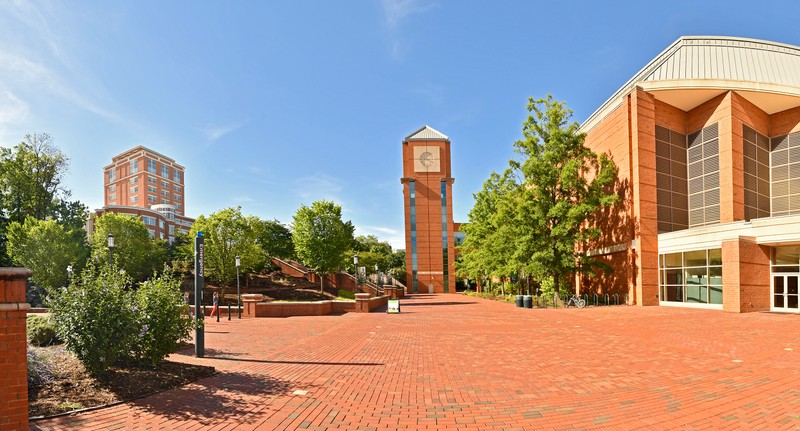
[[453, 362]]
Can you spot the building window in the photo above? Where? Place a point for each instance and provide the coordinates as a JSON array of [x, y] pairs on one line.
[[134, 166], [152, 180], [165, 193], [112, 187], [755, 149], [134, 180], [177, 176], [135, 189], [111, 175], [152, 233], [150, 221], [703, 176], [161, 224], [445, 266], [164, 184], [152, 199], [671, 186], [786, 174], [178, 205], [151, 166], [112, 196], [164, 170], [177, 188], [165, 201], [134, 199], [692, 277], [172, 229], [177, 197], [413, 216], [151, 189]]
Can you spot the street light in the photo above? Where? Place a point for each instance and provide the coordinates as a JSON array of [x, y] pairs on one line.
[[377, 276], [238, 292], [110, 249], [355, 270], [69, 274]]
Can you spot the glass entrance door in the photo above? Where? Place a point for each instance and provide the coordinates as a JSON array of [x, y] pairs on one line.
[[785, 292]]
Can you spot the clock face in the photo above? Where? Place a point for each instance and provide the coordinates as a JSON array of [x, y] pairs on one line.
[[426, 159]]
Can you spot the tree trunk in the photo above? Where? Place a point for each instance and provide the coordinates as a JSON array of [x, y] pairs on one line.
[[321, 284]]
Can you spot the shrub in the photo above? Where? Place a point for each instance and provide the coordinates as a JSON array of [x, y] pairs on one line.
[[94, 316], [41, 331], [40, 369], [160, 322]]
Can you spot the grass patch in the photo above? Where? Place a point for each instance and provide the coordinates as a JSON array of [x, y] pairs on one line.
[[346, 294]]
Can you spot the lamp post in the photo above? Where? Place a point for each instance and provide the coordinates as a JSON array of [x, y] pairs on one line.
[[377, 276], [355, 270], [111, 249], [238, 292], [69, 275]]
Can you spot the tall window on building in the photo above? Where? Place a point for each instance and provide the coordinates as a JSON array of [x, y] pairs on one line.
[[673, 211], [164, 170], [134, 166], [786, 174], [111, 175], [703, 175], [755, 148], [413, 218], [151, 166], [445, 251], [177, 176]]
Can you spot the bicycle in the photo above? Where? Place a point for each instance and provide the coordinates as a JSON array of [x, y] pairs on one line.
[[576, 301]]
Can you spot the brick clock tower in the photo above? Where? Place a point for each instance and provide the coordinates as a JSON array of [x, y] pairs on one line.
[[427, 195]]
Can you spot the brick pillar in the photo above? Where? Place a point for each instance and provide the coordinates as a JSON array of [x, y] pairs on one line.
[[362, 302], [249, 302], [13, 349], [745, 276]]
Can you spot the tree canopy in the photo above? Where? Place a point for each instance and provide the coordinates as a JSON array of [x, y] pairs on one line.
[[321, 239], [134, 250], [533, 217]]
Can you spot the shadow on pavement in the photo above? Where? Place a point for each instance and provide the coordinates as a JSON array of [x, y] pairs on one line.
[[214, 399], [267, 361]]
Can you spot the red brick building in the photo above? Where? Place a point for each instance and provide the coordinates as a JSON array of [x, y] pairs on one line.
[[707, 141], [150, 185], [428, 197]]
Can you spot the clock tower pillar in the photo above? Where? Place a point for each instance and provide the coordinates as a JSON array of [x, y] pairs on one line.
[[427, 195]]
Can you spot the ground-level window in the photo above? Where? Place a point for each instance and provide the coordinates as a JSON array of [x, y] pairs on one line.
[[692, 277]]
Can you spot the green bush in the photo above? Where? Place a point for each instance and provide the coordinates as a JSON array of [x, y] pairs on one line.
[[95, 317], [159, 320], [41, 331]]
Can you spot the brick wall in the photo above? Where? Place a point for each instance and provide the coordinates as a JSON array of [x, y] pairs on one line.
[[746, 275], [13, 350]]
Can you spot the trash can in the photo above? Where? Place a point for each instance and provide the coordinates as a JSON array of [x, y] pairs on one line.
[[519, 301], [527, 300]]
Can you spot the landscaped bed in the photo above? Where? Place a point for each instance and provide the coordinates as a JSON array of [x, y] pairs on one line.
[[71, 387]]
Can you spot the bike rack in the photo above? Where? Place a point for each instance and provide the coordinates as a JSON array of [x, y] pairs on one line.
[[608, 300], [595, 300], [616, 298], [586, 298]]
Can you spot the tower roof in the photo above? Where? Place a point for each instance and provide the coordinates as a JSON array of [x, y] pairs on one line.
[[427, 133]]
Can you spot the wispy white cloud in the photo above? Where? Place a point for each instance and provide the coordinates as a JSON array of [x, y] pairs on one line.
[[382, 229], [394, 237], [13, 111], [396, 11], [213, 132], [318, 186], [243, 199]]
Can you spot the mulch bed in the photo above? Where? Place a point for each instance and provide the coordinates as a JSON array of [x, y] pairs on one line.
[[73, 388]]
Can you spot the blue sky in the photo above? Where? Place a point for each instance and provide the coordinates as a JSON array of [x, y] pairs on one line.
[[270, 105]]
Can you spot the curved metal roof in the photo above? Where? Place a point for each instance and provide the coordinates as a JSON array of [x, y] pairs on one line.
[[717, 62]]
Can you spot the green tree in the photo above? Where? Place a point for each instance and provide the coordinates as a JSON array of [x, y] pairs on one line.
[[370, 251], [275, 239], [321, 239], [47, 248], [563, 185], [228, 234], [134, 250]]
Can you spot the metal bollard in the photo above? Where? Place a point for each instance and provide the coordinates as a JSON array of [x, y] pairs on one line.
[[218, 313], [595, 300], [229, 311]]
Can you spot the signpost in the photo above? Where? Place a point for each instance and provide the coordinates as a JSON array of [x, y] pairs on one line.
[[199, 271]]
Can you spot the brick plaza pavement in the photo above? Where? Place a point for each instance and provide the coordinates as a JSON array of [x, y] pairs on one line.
[[452, 362]]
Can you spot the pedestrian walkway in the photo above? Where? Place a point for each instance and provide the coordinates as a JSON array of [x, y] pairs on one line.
[[452, 362]]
